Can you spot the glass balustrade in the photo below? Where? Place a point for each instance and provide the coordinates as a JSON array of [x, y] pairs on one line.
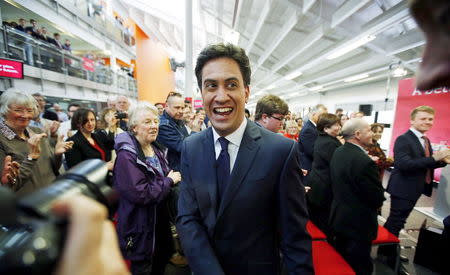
[[18, 45]]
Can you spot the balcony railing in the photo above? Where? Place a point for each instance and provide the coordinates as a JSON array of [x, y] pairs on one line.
[[18, 45]]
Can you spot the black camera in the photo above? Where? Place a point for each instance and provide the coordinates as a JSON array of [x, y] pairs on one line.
[[31, 238], [121, 115]]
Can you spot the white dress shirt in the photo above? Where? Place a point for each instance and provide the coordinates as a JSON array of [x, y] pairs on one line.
[[234, 139], [419, 135]]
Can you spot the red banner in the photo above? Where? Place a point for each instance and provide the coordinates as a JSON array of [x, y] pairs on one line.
[[88, 64], [11, 68], [198, 103], [410, 98]]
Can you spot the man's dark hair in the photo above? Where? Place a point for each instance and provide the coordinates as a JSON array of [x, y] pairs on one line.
[[32, 20], [73, 105], [269, 105], [326, 120], [223, 50], [199, 109], [339, 110], [80, 117], [55, 34], [247, 112]]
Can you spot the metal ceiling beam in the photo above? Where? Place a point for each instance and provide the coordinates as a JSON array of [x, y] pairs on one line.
[[309, 40], [237, 14], [406, 42], [259, 24], [396, 14], [285, 29], [347, 10], [307, 4]]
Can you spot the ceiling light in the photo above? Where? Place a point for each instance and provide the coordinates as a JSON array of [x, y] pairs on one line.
[[356, 77], [316, 88], [293, 75], [399, 72], [270, 87], [347, 48]]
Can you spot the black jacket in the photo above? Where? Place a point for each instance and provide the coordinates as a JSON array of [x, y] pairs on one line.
[[306, 139], [357, 194], [83, 150], [407, 180], [320, 178]]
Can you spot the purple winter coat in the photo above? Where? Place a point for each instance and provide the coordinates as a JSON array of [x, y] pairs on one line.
[[140, 188]]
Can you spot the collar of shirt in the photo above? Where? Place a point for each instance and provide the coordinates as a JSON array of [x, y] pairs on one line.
[[315, 125], [234, 138], [419, 135], [360, 147]]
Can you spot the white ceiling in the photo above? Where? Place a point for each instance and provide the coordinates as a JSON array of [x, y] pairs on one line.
[[283, 37]]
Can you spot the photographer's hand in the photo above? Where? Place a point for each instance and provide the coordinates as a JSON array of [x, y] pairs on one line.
[[91, 246]]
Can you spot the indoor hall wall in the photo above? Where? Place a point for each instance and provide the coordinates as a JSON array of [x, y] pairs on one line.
[[351, 98], [154, 77]]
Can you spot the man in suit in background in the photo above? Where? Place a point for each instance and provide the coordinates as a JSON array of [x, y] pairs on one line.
[[307, 138], [357, 196], [270, 112], [413, 172], [241, 197]]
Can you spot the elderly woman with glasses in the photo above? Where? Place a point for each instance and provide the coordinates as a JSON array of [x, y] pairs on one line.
[[29, 146], [143, 180]]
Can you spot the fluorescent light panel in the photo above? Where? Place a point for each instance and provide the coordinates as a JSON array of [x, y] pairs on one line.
[[348, 48], [293, 75], [316, 88], [356, 77]]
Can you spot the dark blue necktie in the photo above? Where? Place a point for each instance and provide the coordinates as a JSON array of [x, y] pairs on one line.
[[223, 167]]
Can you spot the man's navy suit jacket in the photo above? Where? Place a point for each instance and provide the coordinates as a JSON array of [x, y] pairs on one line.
[[307, 138], [262, 211], [407, 180]]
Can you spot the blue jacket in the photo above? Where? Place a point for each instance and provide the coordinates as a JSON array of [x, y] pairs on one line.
[[171, 134], [306, 139], [140, 188]]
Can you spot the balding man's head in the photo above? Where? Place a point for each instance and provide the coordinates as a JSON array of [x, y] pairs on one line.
[[357, 130]]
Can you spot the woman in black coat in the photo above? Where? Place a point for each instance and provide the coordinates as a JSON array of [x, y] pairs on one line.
[[320, 195], [86, 143]]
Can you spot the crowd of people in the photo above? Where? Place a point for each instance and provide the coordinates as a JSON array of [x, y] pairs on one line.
[[213, 189]]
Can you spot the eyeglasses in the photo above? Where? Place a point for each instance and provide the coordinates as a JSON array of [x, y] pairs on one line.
[[277, 118]]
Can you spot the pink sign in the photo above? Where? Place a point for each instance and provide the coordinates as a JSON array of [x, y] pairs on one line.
[[88, 64], [11, 68], [409, 98], [198, 103]]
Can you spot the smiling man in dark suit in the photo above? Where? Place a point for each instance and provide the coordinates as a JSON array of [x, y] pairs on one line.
[[413, 172], [241, 198]]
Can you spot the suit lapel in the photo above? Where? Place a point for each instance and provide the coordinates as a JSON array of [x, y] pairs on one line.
[[247, 152], [209, 168], [416, 141]]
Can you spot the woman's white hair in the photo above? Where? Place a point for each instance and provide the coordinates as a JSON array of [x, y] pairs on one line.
[[135, 112], [14, 96]]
